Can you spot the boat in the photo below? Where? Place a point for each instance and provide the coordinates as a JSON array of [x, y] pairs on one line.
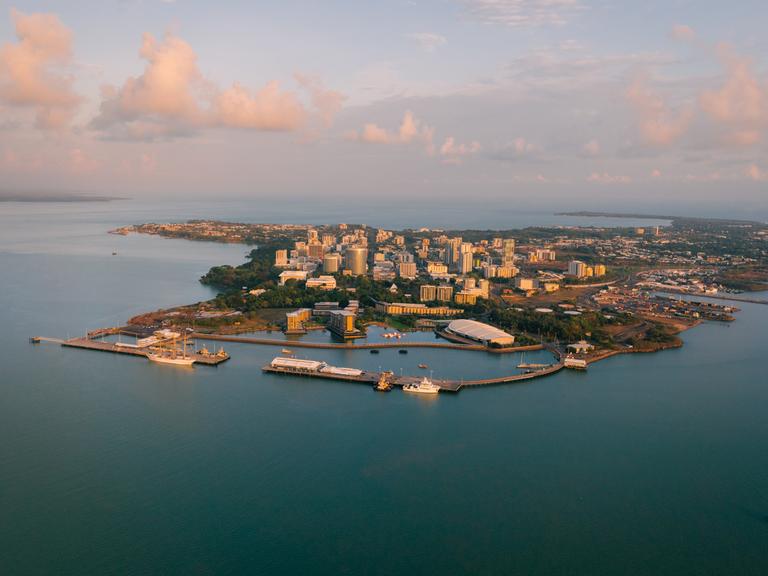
[[423, 366], [402, 351], [172, 355], [114, 253], [286, 351], [383, 385], [374, 351], [175, 361], [425, 386]]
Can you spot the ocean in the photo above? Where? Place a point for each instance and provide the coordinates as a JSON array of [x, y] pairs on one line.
[[647, 464]]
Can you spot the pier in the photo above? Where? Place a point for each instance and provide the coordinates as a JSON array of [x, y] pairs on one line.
[[115, 348], [372, 378], [367, 346]]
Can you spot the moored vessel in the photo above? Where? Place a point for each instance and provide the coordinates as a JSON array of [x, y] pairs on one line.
[[424, 386]]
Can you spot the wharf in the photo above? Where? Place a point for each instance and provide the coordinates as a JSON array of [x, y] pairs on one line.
[[371, 378], [101, 346], [365, 346]]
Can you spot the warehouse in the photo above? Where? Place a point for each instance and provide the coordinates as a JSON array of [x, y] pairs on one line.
[[480, 332]]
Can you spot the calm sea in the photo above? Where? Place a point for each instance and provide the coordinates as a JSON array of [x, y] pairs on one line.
[[109, 465]]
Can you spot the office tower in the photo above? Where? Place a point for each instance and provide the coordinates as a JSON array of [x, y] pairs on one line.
[[331, 263], [357, 260], [508, 252], [281, 257]]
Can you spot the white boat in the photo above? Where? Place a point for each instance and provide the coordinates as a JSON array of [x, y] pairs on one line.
[[177, 361], [425, 386], [172, 355]]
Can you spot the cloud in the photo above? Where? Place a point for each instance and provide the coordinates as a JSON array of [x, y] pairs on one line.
[[411, 130], [172, 98], [683, 32], [81, 163], [591, 148], [606, 178], [453, 153], [741, 104], [429, 41], [30, 70], [657, 123], [520, 13], [655, 173], [328, 103], [756, 174]]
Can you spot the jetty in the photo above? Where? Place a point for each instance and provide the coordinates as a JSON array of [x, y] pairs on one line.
[[95, 343], [366, 346], [314, 369]]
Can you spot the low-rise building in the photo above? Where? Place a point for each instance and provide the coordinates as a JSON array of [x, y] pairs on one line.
[[322, 282], [294, 321], [407, 308], [298, 275]]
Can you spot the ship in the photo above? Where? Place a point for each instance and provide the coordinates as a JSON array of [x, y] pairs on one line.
[[402, 351], [172, 355], [423, 366], [286, 351], [425, 386]]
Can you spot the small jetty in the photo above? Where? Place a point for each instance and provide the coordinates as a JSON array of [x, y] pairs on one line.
[[143, 347]]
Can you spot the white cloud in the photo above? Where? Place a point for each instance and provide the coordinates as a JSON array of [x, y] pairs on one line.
[[519, 13], [606, 178], [411, 130], [683, 32], [429, 41], [31, 70], [453, 153], [173, 98]]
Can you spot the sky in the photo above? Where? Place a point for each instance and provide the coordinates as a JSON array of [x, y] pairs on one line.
[[577, 103]]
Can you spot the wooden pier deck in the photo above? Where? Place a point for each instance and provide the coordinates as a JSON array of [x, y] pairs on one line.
[[101, 346]]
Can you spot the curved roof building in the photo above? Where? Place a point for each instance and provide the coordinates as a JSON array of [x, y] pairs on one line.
[[480, 332]]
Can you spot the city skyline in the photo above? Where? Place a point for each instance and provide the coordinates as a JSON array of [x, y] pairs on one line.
[[504, 99]]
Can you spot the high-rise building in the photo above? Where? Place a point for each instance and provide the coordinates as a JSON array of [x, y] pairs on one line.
[[444, 293], [281, 257], [329, 240], [465, 263], [312, 236], [508, 252], [406, 269], [331, 263], [577, 268], [427, 293], [357, 260], [315, 250], [600, 270]]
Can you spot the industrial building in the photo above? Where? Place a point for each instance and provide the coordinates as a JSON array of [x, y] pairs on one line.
[[480, 332]]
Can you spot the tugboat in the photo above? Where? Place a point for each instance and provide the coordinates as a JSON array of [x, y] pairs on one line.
[[383, 384], [425, 386]]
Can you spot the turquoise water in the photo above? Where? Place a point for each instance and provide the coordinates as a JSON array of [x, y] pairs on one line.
[[110, 465]]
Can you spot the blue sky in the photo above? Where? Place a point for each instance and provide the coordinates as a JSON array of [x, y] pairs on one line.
[[504, 99]]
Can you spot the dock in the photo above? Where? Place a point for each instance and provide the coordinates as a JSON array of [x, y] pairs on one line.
[[115, 348], [372, 378]]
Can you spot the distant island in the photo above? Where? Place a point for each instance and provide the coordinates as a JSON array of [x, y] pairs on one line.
[[655, 217], [53, 197]]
